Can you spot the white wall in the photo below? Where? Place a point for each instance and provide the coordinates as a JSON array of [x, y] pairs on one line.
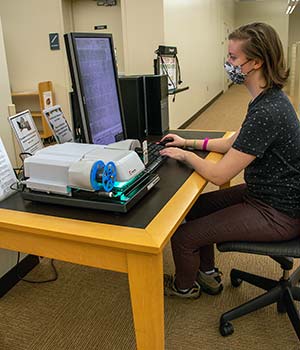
[[195, 27], [26, 28], [269, 11]]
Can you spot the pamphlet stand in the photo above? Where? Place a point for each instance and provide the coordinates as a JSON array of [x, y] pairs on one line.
[[36, 101]]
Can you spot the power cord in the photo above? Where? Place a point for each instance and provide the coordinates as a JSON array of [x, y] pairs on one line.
[[165, 69], [178, 71], [20, 187], [19, 172], [34, 281]]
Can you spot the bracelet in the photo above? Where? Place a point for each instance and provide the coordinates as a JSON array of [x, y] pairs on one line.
[[185, 144], [194, 144], [205, 142]]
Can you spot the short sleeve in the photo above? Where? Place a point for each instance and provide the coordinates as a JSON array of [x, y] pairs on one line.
[[257, 133]]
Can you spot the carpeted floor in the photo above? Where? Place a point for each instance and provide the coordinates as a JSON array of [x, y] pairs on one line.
[[89, 309]]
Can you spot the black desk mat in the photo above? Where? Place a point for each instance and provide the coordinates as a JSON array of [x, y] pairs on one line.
[[172, 175]]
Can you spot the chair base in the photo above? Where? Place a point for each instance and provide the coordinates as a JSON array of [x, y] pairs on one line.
[[283, 292]]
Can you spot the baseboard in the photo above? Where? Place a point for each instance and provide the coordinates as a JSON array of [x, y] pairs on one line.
[[197, 114], [10, 279]]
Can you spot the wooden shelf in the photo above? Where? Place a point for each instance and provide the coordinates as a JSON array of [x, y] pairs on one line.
[[36, 114], [36, 101], [24, 93]]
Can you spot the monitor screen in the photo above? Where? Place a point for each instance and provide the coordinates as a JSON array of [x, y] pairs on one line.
[[95, 82]]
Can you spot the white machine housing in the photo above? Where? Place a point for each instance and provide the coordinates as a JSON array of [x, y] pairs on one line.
[[58, 168]]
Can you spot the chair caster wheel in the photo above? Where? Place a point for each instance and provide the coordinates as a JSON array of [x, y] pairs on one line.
[[235, 282], [226, 329]]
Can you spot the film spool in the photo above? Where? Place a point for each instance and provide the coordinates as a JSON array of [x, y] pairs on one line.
[[109, 176], [103, 176], [97, 168]]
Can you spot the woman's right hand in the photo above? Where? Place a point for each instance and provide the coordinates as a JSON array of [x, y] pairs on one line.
[[177, 141]]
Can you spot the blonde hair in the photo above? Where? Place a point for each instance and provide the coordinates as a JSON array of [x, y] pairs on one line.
[[262, 42]]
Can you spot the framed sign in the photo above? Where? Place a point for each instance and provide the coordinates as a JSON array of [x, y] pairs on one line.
[[26, 132], [58, 124]]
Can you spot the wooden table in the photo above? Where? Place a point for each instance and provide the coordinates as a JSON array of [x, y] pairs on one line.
[[133, 250]]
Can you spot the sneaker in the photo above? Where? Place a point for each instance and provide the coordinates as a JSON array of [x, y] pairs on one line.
[[170, 289], [210, 283]]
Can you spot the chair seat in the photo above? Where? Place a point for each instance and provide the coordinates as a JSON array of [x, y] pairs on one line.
[[282, 292], [284, 248]]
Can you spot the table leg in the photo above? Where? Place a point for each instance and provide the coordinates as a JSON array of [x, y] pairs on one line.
[[145, 274]]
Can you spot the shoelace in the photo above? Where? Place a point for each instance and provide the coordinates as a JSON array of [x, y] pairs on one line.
[[217, 275]]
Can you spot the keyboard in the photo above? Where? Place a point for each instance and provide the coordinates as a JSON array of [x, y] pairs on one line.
[[154, 158]]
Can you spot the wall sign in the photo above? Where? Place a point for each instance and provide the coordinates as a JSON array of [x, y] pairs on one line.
[[54, 41], [100, 26]]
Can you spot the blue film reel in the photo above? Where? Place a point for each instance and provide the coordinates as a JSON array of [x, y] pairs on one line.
[[109, 176], [98, 168]]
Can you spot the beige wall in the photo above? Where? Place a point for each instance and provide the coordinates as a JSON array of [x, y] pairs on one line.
[[195, 27], [5, 100], [228, 24], [67, 15], [294, 26], [7, 258], [142, 23], [269, 11], [294, 36], [227, 9], [86, 14], [26, 28], [296, 96]]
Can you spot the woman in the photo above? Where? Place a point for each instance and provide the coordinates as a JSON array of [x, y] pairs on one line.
[[265, 208]]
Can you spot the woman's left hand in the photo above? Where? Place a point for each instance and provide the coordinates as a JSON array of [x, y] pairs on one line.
[[175, 153]]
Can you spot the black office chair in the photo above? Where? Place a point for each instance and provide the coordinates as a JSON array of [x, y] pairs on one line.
[[282, 292]]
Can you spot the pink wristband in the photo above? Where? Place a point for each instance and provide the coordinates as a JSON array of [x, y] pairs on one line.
[[205, 142]]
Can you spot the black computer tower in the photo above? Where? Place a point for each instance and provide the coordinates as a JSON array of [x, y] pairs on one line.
[[134, 108], [156, 90]]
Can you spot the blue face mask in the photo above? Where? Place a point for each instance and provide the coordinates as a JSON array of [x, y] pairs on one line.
[[235, 73]]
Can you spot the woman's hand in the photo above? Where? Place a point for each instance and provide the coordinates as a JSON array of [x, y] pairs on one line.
[[175, 153], [177, 140]]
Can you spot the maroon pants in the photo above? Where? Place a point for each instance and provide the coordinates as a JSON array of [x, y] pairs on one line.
[[225, 215]]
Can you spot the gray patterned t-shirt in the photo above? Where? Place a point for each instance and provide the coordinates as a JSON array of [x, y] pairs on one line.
[[271, 132]]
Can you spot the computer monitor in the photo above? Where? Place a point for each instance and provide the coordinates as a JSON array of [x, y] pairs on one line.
[[96, 88]]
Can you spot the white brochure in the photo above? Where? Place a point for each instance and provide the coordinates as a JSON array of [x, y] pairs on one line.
[[58, 124], [26, 132], [7, 174], [48, 100], [168, 66]]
